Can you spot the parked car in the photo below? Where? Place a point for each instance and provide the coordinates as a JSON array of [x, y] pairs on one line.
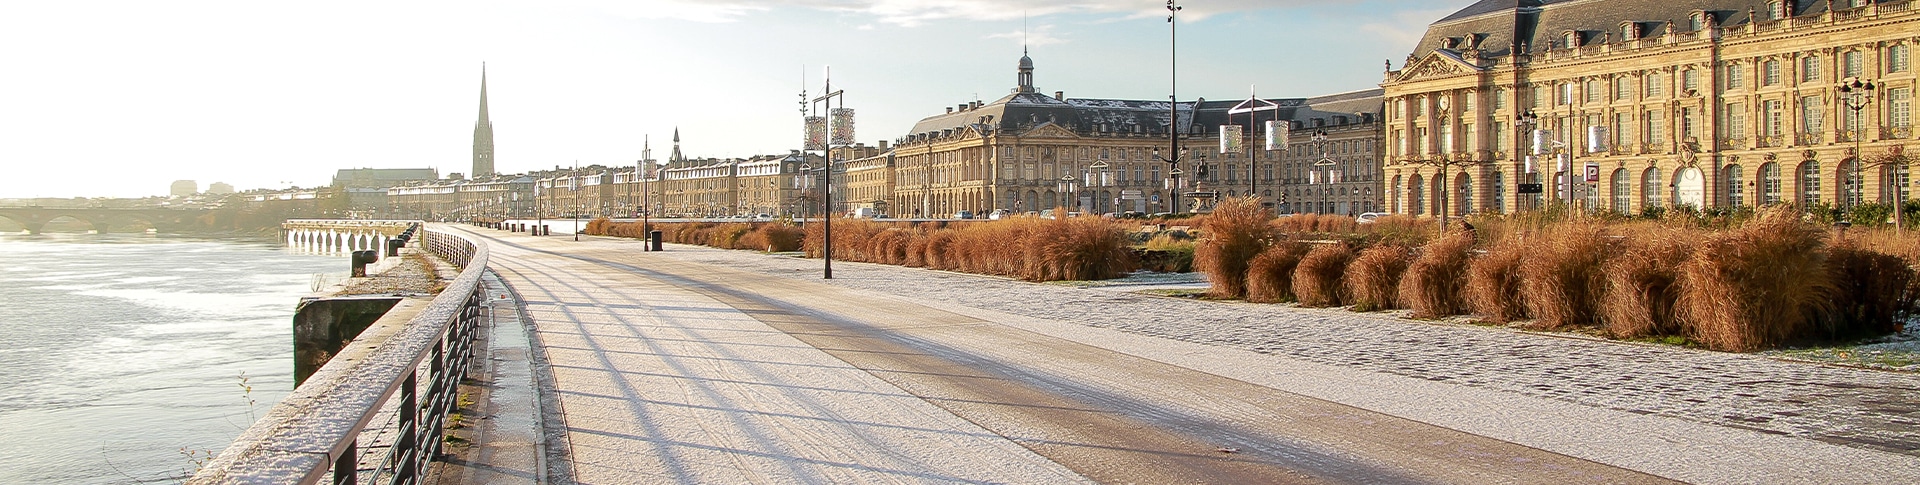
[[963, 215], [864, 213], [999, 214], [1368, 218]]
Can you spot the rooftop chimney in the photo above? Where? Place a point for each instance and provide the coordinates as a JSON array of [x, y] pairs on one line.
[[1060, 95], [949, 110]]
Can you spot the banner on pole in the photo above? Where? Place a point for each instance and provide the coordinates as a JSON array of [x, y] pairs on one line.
[[1230, 138], [1277, 132], [816, 133], [843, 126]]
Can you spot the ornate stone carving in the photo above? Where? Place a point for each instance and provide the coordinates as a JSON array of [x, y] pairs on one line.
[[1434, 67]]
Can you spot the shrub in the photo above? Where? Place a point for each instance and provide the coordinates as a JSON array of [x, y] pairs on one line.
[[1316, 281], [1872, 291], [1373, 280], [1759, 286], [1493, 282], [598, 226], [727, 236], [773, 237], [1643, 283], [1270, 275], [1236, 231], [1435, 284], [1077, 248], [1560, 276]]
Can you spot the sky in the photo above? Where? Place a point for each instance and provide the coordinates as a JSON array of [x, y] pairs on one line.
[[121, 98]]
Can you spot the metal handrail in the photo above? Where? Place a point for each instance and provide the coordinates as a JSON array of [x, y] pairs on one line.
[[314, 432]]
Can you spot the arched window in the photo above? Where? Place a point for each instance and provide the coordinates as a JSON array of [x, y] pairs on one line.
[[1416, 204], [1736, 192], [1620, 190], [1770, 183], [1650, 188], [1499, 189], [1809, 181], [1850, 184], [1894, 183], [1395, 201]]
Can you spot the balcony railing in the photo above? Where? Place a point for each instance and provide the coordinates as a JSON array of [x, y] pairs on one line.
[[316, 433]]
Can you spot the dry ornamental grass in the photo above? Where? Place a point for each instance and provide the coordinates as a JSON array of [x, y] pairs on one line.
[[1643, 282], [1316, 282], [1236, 231], [1493, 282], [1373, 279], [1435, 284], [1755, 287], [1772, 280], [1560, 275], [1270, 275]]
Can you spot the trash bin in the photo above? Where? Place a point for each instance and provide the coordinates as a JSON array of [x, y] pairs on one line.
[[363, 258], [653, 238]]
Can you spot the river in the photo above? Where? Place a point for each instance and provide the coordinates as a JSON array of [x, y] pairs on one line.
[[131, 359]]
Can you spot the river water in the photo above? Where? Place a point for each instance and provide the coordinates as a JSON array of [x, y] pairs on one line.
[[128, 359]]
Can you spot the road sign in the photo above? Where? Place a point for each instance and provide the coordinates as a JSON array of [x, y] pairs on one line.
[[1593, 172], [1529, 188]]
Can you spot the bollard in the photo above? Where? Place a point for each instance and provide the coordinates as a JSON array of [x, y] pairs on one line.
[[546, 231], [361, 259], [394, 245], [653, 238]]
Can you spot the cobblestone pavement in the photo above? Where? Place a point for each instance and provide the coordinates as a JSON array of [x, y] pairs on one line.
[[1861, 408]]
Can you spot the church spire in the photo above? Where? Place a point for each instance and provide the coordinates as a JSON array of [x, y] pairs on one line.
[[483, 92], [676, 146], [482, 133]]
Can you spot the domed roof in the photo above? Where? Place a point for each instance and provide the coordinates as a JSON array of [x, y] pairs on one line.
[[1026, 62]]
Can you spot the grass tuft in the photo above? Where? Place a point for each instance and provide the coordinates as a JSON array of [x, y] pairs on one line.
[[1373, 279], [1435, 284], [1236, 231], [1317, 280]]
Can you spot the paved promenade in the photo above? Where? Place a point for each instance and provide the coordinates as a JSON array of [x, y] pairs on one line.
[[700, 365]]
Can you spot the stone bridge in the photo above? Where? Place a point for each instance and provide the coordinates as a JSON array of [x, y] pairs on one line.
[[104, 220], [342, 235]]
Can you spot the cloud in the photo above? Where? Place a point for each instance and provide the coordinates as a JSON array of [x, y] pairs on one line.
[[1404, 27], [1038, 35]]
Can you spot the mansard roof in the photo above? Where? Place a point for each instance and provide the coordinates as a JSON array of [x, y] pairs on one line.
[[1495, 27]]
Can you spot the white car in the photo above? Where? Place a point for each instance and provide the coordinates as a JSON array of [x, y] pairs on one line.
[[1368, 218]]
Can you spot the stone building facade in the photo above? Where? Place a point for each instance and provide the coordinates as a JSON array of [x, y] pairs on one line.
[[1708, 103], [1029, 151]]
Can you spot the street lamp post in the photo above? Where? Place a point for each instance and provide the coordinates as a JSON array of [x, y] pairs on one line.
[[1252, 107], [1857, 94], [1326, 160], [1544, 143], [1173, 111], [1068, 189], [826, 187]]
